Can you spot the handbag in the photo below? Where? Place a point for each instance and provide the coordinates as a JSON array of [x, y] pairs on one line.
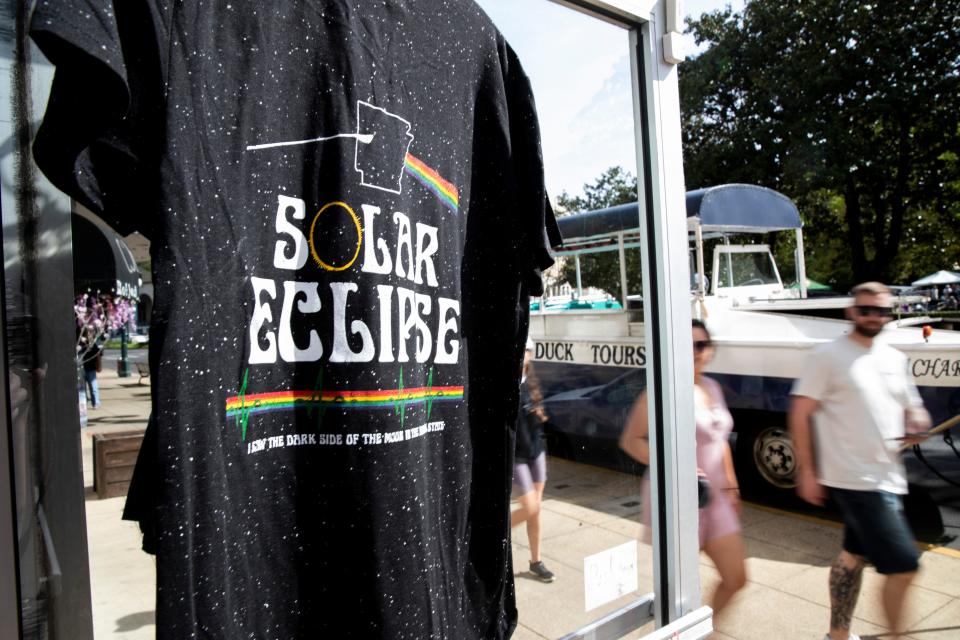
[[703, 491]]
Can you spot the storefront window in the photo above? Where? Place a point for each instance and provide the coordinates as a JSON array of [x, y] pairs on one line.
[[611, 542]]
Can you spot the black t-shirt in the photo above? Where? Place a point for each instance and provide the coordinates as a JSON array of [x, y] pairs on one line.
[[346, 209]]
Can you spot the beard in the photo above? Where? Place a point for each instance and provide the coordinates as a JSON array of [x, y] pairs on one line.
[[867, 332]]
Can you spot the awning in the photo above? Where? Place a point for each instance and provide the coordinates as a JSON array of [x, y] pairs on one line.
[[940, 277], [102, 262], [812, 285]]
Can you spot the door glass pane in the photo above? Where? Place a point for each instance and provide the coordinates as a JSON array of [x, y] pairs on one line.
[[587, 331], [41, 421]]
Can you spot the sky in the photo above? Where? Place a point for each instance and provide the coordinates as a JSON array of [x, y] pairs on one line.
[[579, 70]]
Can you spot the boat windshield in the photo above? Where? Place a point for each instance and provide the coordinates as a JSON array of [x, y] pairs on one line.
[[747, 269]]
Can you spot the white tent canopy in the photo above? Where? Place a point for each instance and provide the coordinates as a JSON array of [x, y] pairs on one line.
[[940, 277]]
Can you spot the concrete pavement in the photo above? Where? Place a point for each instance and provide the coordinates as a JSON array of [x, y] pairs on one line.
[[122, 576], [586, 510]]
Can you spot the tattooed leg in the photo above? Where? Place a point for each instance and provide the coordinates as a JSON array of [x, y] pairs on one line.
[[846, 575]]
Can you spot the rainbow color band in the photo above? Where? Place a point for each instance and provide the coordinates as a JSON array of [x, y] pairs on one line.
[[445, 191], [289, 400]]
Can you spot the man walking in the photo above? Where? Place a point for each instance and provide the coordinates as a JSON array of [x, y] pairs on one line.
[[852, 408]]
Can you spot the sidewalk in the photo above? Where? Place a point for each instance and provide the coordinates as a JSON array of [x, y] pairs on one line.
[[586, 510], [122, 576]]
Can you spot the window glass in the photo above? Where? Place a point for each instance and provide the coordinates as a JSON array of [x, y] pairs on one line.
[[589, 360], [41, 419], [747, 269]]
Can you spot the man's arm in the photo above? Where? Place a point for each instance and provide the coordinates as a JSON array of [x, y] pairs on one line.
[[800, 422], [916, 419]]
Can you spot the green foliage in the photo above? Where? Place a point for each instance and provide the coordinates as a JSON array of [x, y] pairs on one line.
[[115, 344], [614, 186], [602, 270], [847, 107]]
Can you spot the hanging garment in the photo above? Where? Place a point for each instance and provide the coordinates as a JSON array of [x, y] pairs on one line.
[[346, 210]]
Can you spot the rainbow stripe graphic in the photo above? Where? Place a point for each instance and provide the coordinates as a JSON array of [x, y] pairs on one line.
[[445, 191], [243, 405]]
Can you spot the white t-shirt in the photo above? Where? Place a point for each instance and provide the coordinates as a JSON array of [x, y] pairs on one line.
[[863, 393]]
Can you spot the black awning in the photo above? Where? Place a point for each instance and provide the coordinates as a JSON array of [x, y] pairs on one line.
[[102, 262]]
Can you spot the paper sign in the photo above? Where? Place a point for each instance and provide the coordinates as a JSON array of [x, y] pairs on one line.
[[609, 574]]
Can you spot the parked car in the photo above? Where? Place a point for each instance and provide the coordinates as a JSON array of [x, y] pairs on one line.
[[585, 424]]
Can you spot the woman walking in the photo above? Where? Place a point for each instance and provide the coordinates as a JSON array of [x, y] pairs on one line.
[[530, 465], [720, 518]]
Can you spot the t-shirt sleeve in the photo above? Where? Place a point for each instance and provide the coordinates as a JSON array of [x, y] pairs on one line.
[[815, 377], [538, 226], [99, 133]]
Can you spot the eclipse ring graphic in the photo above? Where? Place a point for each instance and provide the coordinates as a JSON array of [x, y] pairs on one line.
[[313, 246]]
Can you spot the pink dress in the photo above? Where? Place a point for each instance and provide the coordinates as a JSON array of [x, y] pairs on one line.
[[714, 424]]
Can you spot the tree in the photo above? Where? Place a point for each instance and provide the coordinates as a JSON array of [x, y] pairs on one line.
[[96, 317], [849, 108], [602, 270], [614, 186]]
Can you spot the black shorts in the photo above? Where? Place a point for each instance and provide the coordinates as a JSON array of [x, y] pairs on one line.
[[876, 528]]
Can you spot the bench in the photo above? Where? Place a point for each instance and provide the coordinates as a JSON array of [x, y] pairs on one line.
[[114, 456], [143, 370]]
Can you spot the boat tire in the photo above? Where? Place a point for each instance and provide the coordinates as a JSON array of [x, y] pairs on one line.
[[765, 462]]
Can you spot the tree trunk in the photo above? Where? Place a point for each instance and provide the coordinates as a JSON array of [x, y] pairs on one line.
[[898, 199], [852, 212]]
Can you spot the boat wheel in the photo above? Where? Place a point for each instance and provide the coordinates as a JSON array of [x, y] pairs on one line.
[[774, 457]]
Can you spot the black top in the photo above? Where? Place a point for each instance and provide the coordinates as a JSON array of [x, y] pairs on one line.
[[529, 427], [91, 358], [346, 209]]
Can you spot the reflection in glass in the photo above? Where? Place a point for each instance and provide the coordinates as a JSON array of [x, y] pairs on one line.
[[587, 333], [42, 419]]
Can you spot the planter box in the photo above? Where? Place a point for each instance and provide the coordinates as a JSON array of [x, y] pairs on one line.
[[114, 456]]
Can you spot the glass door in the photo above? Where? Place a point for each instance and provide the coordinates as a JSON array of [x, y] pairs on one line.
[[609, 549]]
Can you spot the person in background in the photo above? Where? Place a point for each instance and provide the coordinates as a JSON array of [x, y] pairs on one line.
[[530, 464], [92, 364], [720, 518], [852, 408]]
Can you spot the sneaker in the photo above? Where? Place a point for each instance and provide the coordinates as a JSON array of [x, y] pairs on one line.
[[541, 573]]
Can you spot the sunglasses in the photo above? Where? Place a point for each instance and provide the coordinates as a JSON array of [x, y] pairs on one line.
[[870, 310], [702, 345]]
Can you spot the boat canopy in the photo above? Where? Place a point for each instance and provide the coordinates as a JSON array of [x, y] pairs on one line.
[[742, 208], [622, 217], [734, 208]]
